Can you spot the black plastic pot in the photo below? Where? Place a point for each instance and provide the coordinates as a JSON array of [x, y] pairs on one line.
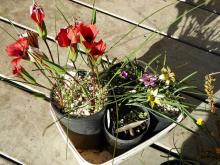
[[123, 145], [131, 79], [158, 123], [89, 125], [85, 132]]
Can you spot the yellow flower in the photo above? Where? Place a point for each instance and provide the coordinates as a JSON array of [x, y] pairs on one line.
[[200, 121], [167, 75], [154, 98]]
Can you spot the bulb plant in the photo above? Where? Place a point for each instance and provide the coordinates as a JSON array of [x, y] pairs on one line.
[[75, 91], [158, 90]]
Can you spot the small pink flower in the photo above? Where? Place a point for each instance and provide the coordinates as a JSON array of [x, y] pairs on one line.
[[124, 74], [149, 80]]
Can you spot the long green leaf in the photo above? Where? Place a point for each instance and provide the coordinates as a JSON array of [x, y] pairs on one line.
[[54, 67], [183, 88], [93, 21], [26, 76], [187, 77], [166, 117]]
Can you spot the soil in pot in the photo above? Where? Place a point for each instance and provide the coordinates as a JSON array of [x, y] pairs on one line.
[[129, 130]]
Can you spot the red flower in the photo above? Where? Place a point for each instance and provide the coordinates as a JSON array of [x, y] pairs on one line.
[[71, 35], [19, 48], [37, 14], [16, 68], [89, 32], [97, 49], [68, 36], [74, 34], [62, 38]]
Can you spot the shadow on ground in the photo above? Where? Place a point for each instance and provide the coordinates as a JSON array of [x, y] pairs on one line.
[[184, 59]]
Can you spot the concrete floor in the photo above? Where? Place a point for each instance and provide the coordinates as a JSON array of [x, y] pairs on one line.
[[23, 117]]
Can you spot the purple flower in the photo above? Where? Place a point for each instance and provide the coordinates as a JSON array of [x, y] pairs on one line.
[[149, 80], [124, 74]]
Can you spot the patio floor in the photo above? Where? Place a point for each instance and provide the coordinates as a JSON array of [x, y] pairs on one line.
[[192, 44]]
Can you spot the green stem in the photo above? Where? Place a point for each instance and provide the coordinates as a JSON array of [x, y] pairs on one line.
[[51, 56], [36, 64]]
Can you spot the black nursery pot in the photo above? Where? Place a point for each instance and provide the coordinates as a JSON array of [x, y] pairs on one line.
[[158, 123], [131, 79], [123, 145], [85, 132]]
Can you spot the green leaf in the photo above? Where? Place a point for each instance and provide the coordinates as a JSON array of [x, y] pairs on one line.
[[168, 118], [187, 77], [53, 67], [93, 21], [183, 88], [72, 55], [42, 31], [27, 77], [164, 60], [98, 61]]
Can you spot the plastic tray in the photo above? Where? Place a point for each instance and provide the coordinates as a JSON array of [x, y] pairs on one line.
[[121, 158]]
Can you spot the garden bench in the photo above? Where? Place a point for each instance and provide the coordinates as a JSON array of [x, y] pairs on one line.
[[191, 44]]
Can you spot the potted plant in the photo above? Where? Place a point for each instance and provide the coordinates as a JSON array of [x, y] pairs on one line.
[[78, 95], [160, 92], [125, 127]]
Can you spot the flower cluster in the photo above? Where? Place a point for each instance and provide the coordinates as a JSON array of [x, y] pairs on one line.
[[80, 39], [82, 33], [156, 89], [26, 42], [19, 51], [155, 83], [155, 86]]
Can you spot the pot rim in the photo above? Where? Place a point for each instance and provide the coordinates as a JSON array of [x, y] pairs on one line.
[[130, 140]]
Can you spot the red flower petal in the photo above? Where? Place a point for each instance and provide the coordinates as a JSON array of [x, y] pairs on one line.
[[62, 37], [89, 32], [74, 34], [37, 13], [16, 68], [19, 48], [97, 49]]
